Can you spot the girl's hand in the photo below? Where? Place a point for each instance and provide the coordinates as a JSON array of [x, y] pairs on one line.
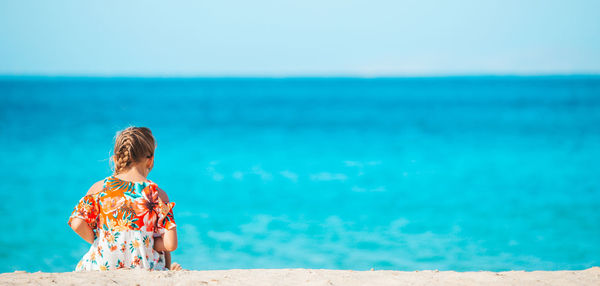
[[175, 266]]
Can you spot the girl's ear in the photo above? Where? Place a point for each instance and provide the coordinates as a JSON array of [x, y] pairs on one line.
[[150, 163]]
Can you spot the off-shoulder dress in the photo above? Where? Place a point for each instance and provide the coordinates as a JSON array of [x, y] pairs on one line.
[[125, 217]]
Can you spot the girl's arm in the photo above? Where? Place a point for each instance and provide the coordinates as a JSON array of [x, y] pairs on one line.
[[159, 245], [79, 225], [83, 229], [168, 260], [166, 242], [169, 238]]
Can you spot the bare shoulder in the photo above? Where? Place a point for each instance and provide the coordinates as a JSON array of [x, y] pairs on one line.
[[96, 188], [162, 195]]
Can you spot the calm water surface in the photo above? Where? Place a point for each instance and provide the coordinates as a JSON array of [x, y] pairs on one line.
[[461, 174]]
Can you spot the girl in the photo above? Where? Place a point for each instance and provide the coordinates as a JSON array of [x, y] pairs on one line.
[[127, 218]]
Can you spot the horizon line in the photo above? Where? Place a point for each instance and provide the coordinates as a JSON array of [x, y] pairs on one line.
[[293, 76]]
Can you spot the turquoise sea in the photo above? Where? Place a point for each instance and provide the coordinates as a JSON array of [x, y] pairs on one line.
[[458, 173]]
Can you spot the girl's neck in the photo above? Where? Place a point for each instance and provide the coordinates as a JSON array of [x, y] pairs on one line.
[[134, 174]]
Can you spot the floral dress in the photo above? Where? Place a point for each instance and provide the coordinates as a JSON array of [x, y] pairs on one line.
[[125, 217]]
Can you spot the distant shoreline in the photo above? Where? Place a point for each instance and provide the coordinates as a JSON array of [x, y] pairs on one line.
[[589, 276]]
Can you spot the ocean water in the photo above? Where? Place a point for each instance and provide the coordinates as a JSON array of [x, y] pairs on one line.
[[460, 173]]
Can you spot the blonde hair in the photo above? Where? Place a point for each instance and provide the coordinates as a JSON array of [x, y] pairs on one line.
[[131, 145]]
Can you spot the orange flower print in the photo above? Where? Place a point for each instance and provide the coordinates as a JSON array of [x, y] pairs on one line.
[[113, 248], [137, 261], [109, 236], [146, 241], [110, 204], [146, 207], [86, 208], [164, 208], [134, 246], [117, 224]]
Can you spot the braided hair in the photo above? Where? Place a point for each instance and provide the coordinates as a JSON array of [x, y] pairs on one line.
[[131, 145]]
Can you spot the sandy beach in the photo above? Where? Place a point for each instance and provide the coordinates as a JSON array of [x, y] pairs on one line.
[[589, 276]]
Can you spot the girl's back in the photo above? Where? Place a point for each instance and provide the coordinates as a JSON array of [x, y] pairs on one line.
[[125, 216]]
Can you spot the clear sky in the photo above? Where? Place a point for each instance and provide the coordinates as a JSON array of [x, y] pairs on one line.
[[291, 38]]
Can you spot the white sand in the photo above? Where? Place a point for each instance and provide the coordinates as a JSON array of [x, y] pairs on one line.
[[305, 277]]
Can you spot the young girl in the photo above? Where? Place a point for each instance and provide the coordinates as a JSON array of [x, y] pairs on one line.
[[127, 218]]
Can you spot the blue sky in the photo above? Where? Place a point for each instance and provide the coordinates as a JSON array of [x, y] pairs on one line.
[[294, 38]]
